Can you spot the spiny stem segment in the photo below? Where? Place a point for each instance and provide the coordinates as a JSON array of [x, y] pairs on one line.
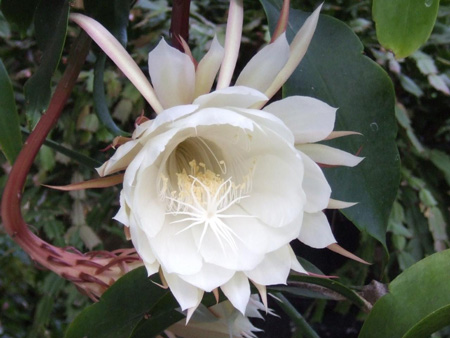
[[93, 273]]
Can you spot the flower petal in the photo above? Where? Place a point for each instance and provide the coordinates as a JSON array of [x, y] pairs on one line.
[[262, 69], [295, 264], [241, 97], [309, 119], [276, 197], [225, 257], [237, 290], [209, 277], [187, 295], [119, 56], [315, 186], [316, 231], [175, 249], [140, 243], [328, 155], [298, 47], [207, 68], [259, 237], [121, 158], [155, 126], [270, 121], [274, 269], [232, 42], [336, 204], [173, 75], [147, 207]]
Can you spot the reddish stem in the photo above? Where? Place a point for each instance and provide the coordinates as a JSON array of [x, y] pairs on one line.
[[12, 217], [67, 263], [179, 26]]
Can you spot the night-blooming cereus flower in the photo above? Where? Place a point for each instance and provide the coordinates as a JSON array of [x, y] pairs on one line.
[[220, 321], [215, 188]]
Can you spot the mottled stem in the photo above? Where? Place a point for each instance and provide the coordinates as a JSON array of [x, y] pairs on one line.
[[179, 26], [86, 271]]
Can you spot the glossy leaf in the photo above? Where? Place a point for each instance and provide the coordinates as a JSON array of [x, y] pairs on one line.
[[418, 302], [134, 306], [19, 16], [335, 70], [404, 25], [10, 137], [50, 24]]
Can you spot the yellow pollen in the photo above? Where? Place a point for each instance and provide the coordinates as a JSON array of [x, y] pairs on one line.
[[203, 198]]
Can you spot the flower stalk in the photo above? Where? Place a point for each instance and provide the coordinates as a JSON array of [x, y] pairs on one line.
[[93, 272]]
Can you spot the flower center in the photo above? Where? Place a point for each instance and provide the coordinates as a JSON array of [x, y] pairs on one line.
[[202, 197]]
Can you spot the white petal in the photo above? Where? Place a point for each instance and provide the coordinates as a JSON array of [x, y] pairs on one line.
[[119, 55], [336, 204], [259, 237], [242, 97], [175, 249], [316, 231], [232, 42], [187, 295], [167, 116], [270, 121], [274, 269], [142, 246], [207, 68], [298, 47], [123, 215], [239, 258], [328, 155], [315, 185], [262, 69], [121, 158], [295, 264], [276, 197], [173, 75], [209, 277], [147, 208], [237, 290], [309, 119]]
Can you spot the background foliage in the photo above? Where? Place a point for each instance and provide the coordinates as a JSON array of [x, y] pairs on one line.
[[38, 304]]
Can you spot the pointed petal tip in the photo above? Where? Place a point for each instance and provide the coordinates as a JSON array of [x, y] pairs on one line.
[[263, 294], [102, 182], [189, 313], [341, 251], [336, 204]]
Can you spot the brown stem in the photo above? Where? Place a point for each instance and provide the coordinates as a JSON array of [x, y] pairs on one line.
[[64, 262], [179, 26]]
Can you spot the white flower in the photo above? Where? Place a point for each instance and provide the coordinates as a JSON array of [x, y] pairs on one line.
[[220, 321], [215, 188]]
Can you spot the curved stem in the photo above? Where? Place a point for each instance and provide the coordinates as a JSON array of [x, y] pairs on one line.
[[12, 217], [88, 272]]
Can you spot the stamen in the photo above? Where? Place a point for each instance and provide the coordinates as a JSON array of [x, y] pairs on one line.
[[203, 199]]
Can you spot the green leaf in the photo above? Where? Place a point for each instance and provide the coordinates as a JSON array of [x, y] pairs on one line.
[[115, 18], [50, 24], [134, 299], [333, 285], [417, 303], [76, 156], [404, 25], [10, 137], [19, 16], [335, 70]]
